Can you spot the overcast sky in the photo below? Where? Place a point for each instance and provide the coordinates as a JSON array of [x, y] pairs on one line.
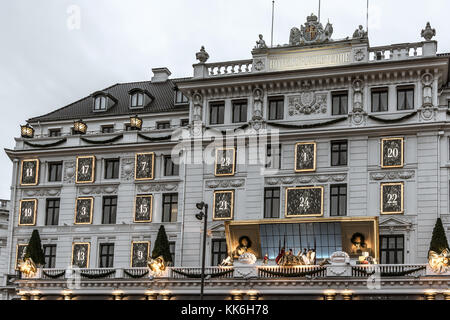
[[50, 58]]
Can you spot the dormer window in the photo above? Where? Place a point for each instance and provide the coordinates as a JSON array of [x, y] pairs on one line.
[[100, 103], [137, 100], [180, 98]]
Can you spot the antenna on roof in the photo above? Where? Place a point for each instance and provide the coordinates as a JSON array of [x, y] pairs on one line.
[[319, 10], [367, 18], [271, 34]]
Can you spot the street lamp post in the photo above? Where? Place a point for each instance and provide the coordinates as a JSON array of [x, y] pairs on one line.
[[203, 215]]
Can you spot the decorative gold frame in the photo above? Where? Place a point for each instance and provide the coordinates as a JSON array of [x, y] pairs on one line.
[[232, 205], [16, 265], [375, 221], [382, 153], [234, 162], [301, 215], [34, 211], [402, 184], [315, 156], [88, 253], [131, 251], [151, 208], [90, 213], [93, 170], [37, 172], [153, 166]]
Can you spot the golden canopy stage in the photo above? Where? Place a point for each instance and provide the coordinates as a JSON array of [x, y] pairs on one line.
[[325, 235]]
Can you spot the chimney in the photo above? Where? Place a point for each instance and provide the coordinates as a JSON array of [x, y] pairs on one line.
[[160, 74]]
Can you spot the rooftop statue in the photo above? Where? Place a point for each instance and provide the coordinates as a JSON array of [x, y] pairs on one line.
[[428, 33], [360, 33], [202, 55], [312, 32], [261, 44]]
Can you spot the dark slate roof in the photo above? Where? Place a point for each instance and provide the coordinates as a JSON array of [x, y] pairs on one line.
[[162, 92]]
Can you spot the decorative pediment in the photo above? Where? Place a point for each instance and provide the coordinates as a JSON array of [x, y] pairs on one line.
[[395, 223]]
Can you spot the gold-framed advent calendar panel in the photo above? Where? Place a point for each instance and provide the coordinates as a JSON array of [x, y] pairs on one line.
[[392, 153], [305, 156], [392, 198]]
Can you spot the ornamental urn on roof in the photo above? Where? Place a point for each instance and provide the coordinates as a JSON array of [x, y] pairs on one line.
[[428, 33], [202, 55], [311, 32]]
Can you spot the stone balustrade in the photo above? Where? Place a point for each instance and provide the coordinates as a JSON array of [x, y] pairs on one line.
[[396, 52], [229, 68]]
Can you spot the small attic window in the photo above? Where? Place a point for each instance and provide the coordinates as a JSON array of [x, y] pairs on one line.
[[180, 97], [137, 100], [100, 103]]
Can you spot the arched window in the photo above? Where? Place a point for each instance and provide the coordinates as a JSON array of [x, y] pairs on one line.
[[137, 99], [100, 103]]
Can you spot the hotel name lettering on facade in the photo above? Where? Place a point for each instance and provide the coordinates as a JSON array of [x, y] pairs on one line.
[[307, 59]]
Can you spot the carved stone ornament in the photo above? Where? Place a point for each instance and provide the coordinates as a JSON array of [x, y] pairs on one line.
[[308, 102], [197, 100], [258, 64], [258, 96], [427, 111], [359, 55], [91, 190], [428, 33], [358, 115], [311, 32], [235, 183], [155, 187], [392, 175], [306, 179], [127, 171], [69, 171], [202, 55], [42, 192]]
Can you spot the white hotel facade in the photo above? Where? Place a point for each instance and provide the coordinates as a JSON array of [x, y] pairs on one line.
[[327, 139]]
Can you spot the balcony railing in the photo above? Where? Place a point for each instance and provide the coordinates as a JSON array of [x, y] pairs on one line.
[[229, 68], [260, 272], [396, 52]]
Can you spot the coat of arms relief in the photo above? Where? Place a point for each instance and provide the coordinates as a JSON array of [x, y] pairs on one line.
[[311, 32], [307, 102]]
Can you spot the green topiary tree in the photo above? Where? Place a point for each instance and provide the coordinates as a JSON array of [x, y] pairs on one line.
[[439, 239], [34, 249], [162, 247]]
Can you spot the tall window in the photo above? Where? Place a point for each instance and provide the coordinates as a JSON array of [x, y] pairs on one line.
[[392, 249], [170, 168], [109, 210], [273, 156], [379, 100], [180, 97], [271, 202], [405, 98], [239, 111], [137, 100], [112, 168], [49, 255], [339, 153], [338, 201], [55, 171], [163, 125], [339, 103], [170, 207], [106, 255], [219, 251], [217, 113], [52, 212], [54, 132], [276, 108], [172, 247], [100, 103]]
